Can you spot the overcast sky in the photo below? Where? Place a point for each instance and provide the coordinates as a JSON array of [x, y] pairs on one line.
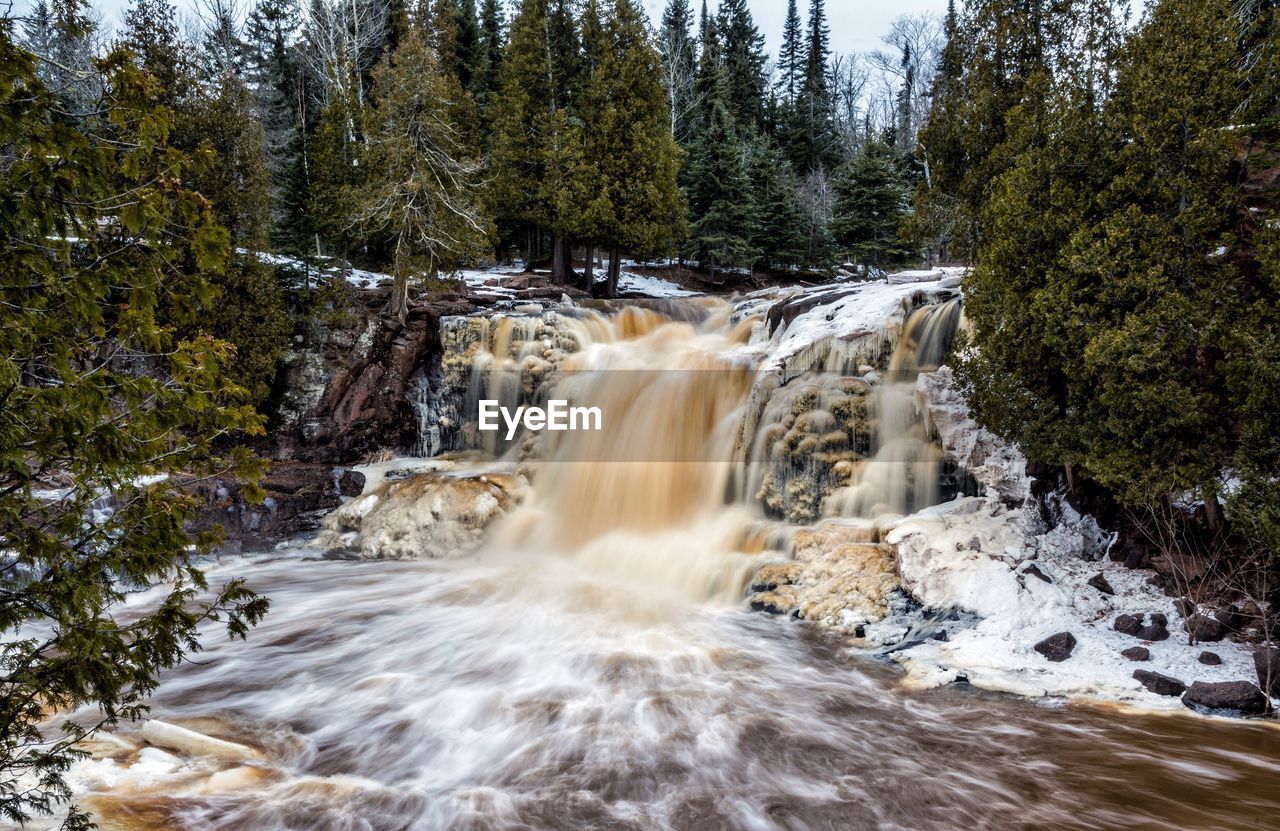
[[856, 25]]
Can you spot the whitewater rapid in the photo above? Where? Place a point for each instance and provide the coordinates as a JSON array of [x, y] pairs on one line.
[[527, 693]]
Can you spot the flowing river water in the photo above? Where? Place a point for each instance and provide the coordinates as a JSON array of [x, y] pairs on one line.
[[594, 667]]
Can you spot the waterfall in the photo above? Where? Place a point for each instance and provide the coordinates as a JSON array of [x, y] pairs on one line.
[[902, 473]]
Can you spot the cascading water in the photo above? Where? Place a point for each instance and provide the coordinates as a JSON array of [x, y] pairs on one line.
[[573, 676], [902, 472]]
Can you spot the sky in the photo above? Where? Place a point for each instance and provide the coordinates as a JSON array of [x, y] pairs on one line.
[[856, 25]]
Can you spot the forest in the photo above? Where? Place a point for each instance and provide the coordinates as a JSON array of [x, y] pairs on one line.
[[179, 190]]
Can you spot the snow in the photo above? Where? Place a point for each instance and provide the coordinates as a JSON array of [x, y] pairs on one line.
[[865, 317], [631, 283], [972, 554]]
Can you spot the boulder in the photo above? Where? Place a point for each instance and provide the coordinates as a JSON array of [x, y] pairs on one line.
[[1159, 684], [1057, 648], [1210, 659], [1128, 624], [1204, 628], [1239, 697], [1185, 606], [1266, 660], [1137, 653], [1099, 582], [350, 483], [1156, 630]]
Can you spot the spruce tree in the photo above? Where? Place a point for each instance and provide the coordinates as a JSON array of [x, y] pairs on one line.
[[870, 201], [538, 144], [779, 214], [721, 208], [815, 141], [636, 157], [743, 57], [791, 58]]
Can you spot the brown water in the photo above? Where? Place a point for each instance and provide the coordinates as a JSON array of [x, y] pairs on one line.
[[594, 667], [518, 693]]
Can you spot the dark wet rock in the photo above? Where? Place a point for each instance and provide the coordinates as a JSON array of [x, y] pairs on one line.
[[1057, 648], [350, 483], [1210, 659], [1128, 624], [770, 603], [296, 497], [1205, 628], [1035, 571], [1185, 606], [1137, 653], [1237, 697], [1156, 630], [1266, 660], [1099, 582], [1159, 684], [940, 635]]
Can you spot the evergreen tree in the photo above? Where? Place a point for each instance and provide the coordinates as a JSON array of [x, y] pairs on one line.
[[538, 144], [422, 188], [870, 201], [151, 34], [100, 239], [814, 140], [1117, 372], [721, 208], [779, 214], [630, 143], [791, 58], [491, 46], [940, 145], [743, 57]]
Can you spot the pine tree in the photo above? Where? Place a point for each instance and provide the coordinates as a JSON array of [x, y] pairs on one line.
[[680, 66], [870, 201], [721, 208], [791, 58], [813, 137], [101, 238], [940, 146], [743, 57], [422, 188], [491, 46], [151, 34], [277, 76], [779, 214]]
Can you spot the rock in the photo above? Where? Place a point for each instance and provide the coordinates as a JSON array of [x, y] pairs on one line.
[[1231, 696], [1099, 582], [1057, 648], [940, 635], [1210, 659], [771, 603], [350, 483], [1204, 628], [1034, 571], [1128, 624], [1159, 684], [297, 495], [1185, 606], [1266, 660], [1137, 653], [1156, 630]]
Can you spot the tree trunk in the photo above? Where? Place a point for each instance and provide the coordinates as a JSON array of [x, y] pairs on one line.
[[1213, 512], [589, 271], [615, 269], [559, 264], [398, 303]]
